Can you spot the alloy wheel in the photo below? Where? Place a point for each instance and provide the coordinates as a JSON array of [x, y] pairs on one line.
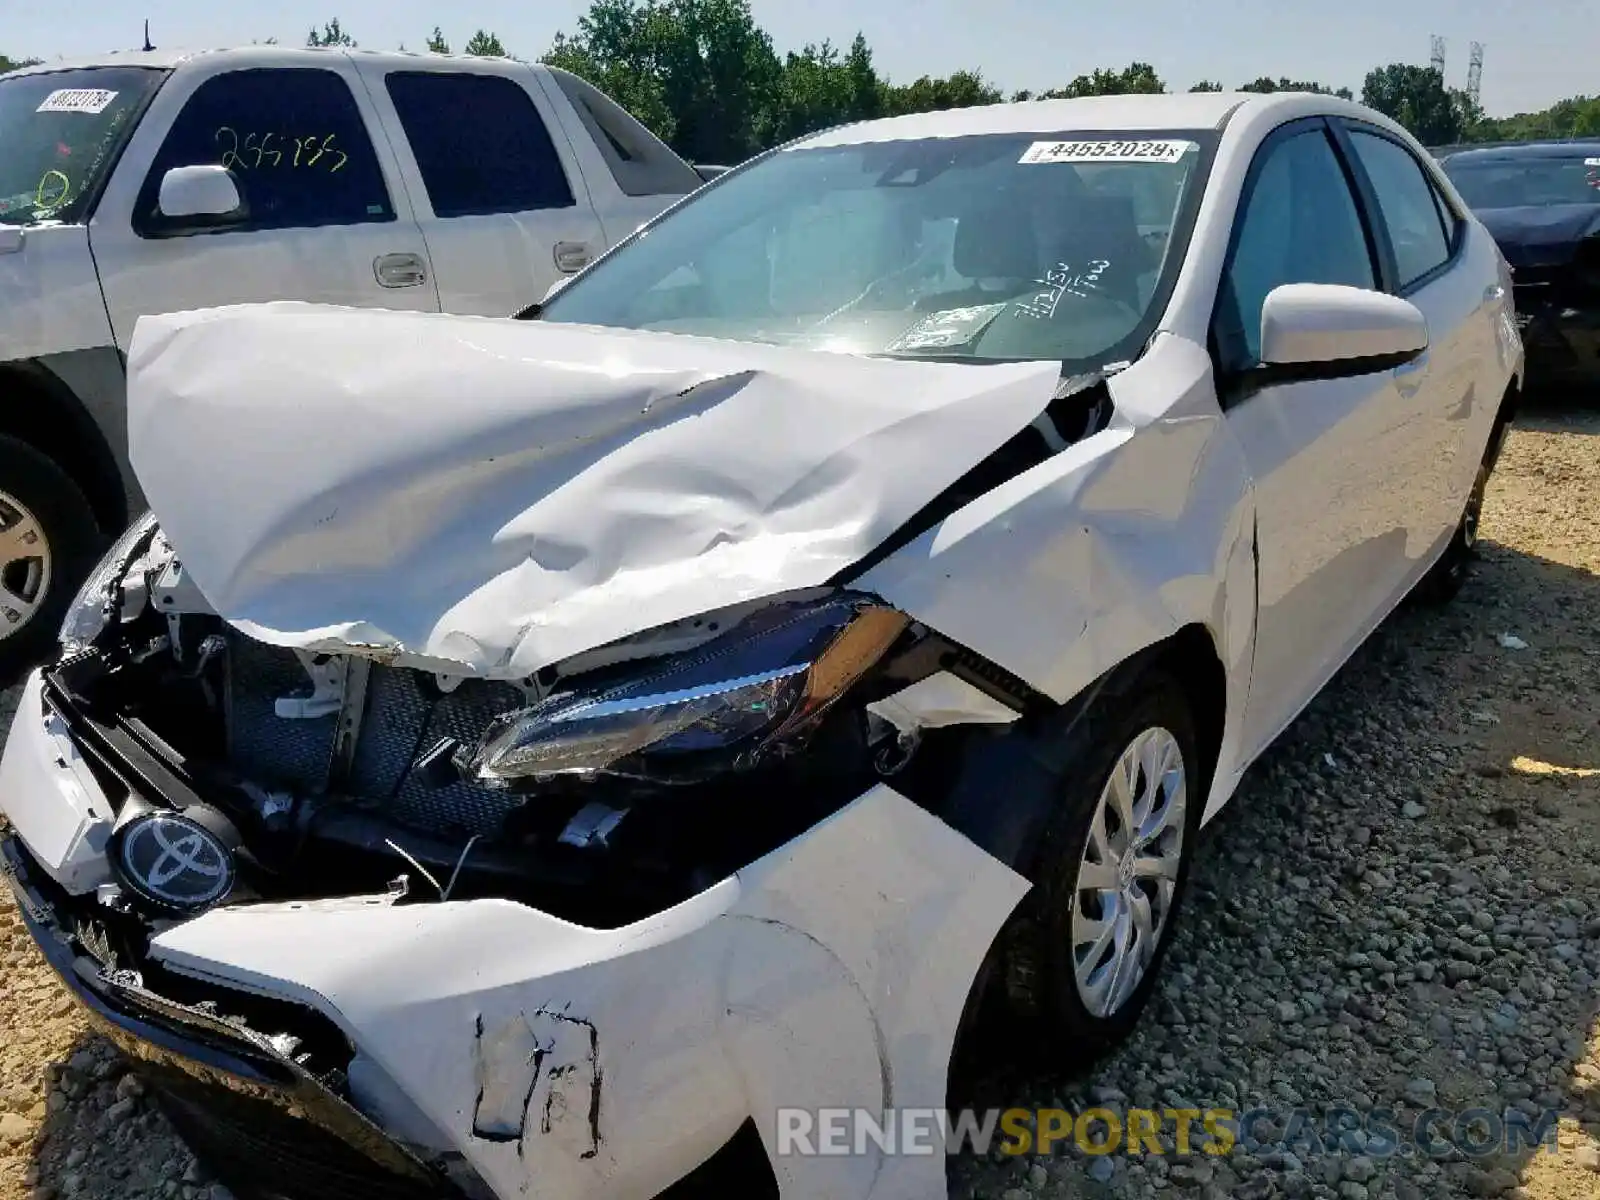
[[1128, 876], [25, 565]]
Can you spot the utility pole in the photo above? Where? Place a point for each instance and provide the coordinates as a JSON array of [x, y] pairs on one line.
[[1437, 61]]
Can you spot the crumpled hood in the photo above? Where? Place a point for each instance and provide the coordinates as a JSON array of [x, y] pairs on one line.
[[483, 496], [1541, 236]]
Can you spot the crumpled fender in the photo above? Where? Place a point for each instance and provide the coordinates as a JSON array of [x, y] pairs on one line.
[[571, 1062], [1104, 549], [477, 496]]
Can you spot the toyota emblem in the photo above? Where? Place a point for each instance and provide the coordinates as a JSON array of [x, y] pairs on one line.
[[176, 862]]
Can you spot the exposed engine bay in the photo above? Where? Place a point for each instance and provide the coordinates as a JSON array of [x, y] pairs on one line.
[[601, 790]]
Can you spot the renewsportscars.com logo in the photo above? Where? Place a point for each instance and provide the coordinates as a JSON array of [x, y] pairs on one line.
[[1434, 1133]]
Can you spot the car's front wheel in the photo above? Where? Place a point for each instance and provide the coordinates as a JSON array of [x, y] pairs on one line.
[[1082, 954]]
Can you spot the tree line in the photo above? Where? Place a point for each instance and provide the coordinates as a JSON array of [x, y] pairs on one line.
[[707, 80]]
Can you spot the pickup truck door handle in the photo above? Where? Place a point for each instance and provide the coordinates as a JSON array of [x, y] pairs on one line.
[[399, 270], [571, 256]]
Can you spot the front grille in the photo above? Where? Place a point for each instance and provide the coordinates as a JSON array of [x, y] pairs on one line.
[[262, 1152], [404, 715]]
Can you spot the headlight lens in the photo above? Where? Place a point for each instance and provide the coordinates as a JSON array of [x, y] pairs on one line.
[[764, 682], [93, 608]]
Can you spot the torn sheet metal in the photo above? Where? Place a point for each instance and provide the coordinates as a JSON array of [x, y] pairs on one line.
[[583, 1062], [938, 701], [1104, 549], [489, 497]]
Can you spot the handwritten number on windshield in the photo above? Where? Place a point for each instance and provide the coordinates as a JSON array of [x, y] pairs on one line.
[[257, 151]]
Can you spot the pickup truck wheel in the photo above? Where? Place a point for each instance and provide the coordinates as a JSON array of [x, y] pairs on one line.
[[1083, 952], [48, 543]]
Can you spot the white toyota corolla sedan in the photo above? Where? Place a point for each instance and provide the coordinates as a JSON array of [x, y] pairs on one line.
[[521, 757]]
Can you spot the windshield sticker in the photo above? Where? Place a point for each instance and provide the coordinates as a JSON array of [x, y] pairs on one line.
[[1063, 281], [77, 100], [1591, 162], [1107, 152], [952, 327]]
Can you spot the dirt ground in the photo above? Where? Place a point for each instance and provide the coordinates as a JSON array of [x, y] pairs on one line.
[[1467, 789]]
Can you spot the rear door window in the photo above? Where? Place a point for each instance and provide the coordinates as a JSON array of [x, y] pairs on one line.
[[479, 142], [295, 142], [1407, 204]]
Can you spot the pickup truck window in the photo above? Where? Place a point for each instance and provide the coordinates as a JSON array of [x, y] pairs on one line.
[[60, 135], [640, 163], [295, 142], [479, 142]]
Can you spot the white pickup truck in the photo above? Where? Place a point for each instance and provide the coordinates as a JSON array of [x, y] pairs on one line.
[[154, 182]]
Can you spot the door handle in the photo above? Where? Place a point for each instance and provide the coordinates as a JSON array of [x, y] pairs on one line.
[[571, 257], [399, 270]]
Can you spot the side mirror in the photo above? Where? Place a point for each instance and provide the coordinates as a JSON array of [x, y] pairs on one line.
[[206, 190], [1326, 330]]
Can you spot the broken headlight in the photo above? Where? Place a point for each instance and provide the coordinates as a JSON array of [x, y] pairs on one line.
[[97, 603], [748, 691]]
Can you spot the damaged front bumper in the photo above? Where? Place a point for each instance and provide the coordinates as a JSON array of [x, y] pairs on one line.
[[486, 1046], [245, 1106]]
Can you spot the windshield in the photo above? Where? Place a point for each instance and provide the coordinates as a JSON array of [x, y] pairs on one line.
[[1528, 182], [995, 247], [59, 134]]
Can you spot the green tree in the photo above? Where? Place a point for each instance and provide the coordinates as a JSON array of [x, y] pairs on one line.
[[484, 45], [436, 42], [1266, 84], [332, 35], [1576, 116], [963, 89], [1207, 85], [13, 64], [700, 73], [1416, 97], [820, 88], [1137, 78]]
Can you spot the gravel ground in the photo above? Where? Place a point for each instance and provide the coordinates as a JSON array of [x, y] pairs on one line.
[[1399, 911]]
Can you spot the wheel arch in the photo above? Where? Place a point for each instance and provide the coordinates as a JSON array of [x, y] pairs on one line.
[[1005, 789], [45, 413]]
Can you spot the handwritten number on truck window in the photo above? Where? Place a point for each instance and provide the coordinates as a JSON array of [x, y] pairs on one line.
[[228, 139], [257, 151]]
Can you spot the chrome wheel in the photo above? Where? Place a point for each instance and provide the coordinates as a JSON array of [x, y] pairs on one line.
[[1128, 877], [24, 565]]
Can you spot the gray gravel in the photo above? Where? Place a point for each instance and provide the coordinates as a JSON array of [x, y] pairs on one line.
[[1400, 908]]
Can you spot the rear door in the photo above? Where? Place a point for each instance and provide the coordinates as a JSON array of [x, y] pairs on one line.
[[325, 216], [503, 208], [1326, 454]]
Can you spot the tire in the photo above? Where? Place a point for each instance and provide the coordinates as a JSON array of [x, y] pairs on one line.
[[1445, 578], [1039, 967], [39, 577]]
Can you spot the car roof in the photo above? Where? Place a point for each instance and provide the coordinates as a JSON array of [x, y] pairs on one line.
[[1181, 110], [1518, 151], [240, 56]]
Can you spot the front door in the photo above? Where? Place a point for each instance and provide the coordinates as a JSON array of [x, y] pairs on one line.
[[1332, 530], [324, 217]]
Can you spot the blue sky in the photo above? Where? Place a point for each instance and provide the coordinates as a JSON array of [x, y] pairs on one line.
[[1537, 53]]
